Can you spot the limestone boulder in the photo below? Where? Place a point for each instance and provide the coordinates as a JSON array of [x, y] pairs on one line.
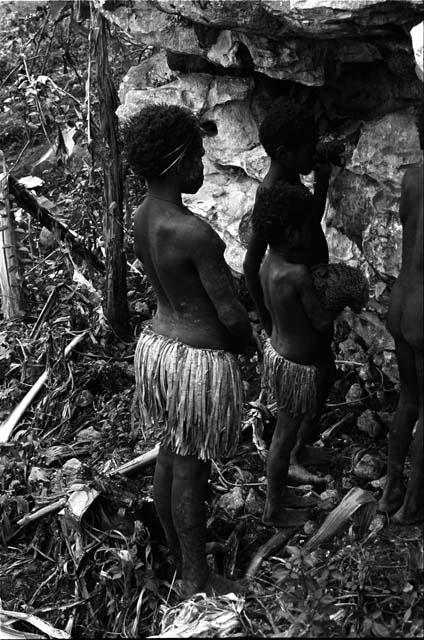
[[198, 92], [285, 40], [293, 57], [315, 18], [364, 198]]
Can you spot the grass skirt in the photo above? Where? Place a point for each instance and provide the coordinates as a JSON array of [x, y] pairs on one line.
[[293, 385], [193, 396]]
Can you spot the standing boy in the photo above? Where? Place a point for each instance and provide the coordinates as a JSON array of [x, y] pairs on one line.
[[298, 356], [406, 325], [187, 375], [289, 136]]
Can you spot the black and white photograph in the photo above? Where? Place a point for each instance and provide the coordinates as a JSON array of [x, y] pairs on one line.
[[211, 319]]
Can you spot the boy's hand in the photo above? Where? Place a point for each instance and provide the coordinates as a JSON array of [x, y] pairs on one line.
[[265, 319], [254, 345], [330, 152]]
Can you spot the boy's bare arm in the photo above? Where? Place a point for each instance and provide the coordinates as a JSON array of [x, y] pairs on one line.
[[326, 153], [322, 179], [252, 262], [216, 280], [320, 318]]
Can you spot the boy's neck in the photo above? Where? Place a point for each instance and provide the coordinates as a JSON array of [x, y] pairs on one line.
[[280, 173], [165, 189]]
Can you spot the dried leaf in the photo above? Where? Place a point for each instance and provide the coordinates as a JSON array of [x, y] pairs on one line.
[[9, 618], [352, 501]]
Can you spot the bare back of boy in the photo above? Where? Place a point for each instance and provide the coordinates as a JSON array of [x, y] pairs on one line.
[[298, 319], [183, 258], [196, 304]]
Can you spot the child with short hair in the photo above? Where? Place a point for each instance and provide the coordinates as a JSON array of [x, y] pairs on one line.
[[188, 379], [303, 303], [289, 136], [298, 354]]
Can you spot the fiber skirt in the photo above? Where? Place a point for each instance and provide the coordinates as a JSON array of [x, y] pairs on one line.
[[294, 385], [192, 396]]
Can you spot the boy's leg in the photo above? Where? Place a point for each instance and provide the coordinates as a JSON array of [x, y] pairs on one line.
[[412, 510], [309, 430], [162, 488], [189, 492], [401, 428], [278, 459]]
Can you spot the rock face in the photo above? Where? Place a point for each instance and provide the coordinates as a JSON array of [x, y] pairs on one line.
[[351, 61]]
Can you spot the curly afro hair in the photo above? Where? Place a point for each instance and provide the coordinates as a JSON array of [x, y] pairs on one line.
[[278, 208], [286, 123], [340, 285], [420, 122], [156, 136]]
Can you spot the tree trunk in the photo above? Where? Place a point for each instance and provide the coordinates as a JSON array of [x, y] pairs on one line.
[[115, 304], [10, 277]]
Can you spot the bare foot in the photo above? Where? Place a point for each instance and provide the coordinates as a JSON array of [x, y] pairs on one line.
[[295, 501], [392, 498], [285, 518], [317, 455], [298, 473], [215, 585], [408, 514]]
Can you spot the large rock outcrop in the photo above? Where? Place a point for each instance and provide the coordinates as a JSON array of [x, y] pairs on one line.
[[351, 61]]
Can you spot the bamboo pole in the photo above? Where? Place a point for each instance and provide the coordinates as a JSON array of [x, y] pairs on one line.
[[6, 429], [141, 462], [10, 280], [50, 508]]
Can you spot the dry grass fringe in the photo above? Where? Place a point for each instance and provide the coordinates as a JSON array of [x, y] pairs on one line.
[[193, 395], [293, 385]]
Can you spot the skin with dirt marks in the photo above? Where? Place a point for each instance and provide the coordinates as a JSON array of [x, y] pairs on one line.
[[302, 331], [405, 323], [285, 168], [196, 303]]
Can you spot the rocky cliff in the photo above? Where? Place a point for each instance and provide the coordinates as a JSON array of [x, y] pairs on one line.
[[351, 61]]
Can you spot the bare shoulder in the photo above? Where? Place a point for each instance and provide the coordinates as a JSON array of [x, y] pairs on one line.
[[199, 236]]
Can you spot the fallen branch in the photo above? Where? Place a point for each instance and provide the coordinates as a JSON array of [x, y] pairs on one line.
[[142, 461], [51, 508], [12, 421], [273, 545], [44, 312], [29, 203]]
